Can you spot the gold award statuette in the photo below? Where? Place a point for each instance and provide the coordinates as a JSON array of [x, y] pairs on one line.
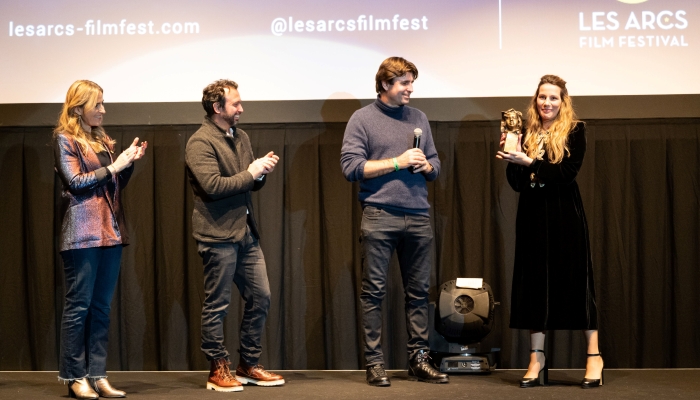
[[511, 125]]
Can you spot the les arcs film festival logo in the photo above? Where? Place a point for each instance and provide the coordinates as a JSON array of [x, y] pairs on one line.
[[648, 24]]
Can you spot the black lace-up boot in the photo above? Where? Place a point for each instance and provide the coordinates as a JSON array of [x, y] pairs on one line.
[[421, 369], [376, 376]]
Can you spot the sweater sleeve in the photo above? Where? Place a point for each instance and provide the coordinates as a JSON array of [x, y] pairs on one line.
[[353, 153], [204, 165], [431, 155], [258, 184]]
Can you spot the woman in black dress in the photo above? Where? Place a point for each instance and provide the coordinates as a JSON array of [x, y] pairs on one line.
[[553, 273]]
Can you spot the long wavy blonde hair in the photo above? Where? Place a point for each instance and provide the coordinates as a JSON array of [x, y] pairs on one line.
[[564, 122], [82, 94]]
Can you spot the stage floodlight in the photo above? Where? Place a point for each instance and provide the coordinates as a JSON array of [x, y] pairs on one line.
[[460, 319]]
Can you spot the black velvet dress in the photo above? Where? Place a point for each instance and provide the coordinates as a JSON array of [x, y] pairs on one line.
[[553, 274]]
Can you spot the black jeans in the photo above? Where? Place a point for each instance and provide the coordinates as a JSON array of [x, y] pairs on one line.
[[241, 263], [91, 276], [384, 231]]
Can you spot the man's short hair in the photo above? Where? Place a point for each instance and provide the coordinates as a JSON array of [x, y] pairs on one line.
[[215, 93], [391, 68]]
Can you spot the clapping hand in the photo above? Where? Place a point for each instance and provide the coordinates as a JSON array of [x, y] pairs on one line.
[[131, 154], [263, 165]]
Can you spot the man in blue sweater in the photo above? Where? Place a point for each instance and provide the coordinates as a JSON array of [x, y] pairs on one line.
[[378, 151]]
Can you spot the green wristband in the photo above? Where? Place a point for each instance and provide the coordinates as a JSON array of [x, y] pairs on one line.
[[396, 164]]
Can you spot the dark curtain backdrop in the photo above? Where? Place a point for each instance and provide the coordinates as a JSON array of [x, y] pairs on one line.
[[641, 188]]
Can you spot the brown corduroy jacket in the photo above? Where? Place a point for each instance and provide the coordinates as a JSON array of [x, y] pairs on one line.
[[217, 167]]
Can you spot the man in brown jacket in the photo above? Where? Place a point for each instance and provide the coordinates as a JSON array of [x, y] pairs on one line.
[[223, 172]]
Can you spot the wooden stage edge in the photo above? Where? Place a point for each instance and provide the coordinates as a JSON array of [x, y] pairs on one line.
[[678, 383]]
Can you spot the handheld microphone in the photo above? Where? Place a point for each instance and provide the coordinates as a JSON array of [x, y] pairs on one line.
[[417, 133]]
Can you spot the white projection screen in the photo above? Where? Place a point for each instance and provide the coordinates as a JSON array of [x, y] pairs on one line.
[[167, 51]]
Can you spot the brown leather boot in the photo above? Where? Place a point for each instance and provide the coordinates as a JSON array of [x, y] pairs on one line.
[[220, 378], [257, 375]]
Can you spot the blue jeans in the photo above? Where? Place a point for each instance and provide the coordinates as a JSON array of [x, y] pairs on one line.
[[411, 235], [91, 276], [241, 263]]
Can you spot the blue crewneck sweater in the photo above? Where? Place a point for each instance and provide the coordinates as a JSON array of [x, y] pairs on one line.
[[379, 132]]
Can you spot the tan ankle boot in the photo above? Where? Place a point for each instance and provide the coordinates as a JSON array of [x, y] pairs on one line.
[[81, 389], [104, 389]]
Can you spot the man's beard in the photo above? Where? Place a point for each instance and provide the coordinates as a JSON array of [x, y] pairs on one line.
[[230, 119]]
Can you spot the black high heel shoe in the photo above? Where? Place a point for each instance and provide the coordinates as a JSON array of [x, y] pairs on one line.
[[542, 377], [594, 383]]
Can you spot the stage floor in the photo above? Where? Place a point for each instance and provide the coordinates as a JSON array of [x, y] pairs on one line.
[[501, 384]]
